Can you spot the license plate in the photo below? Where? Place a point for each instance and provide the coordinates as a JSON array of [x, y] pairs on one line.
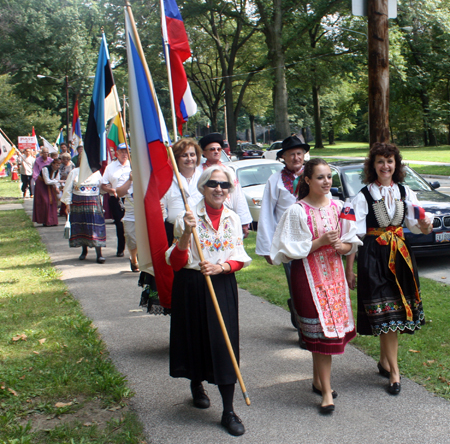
[[255, 154], [442, 237]]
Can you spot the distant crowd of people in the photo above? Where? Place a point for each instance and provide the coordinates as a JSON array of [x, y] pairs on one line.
[[300, 226]]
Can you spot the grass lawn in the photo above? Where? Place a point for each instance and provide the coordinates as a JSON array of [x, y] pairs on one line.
[[424, 357], [57, 383], [10, 191]]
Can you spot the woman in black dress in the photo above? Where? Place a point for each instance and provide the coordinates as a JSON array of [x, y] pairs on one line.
[[388, 283]]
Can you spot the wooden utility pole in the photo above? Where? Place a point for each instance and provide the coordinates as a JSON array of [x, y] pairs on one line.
[[378, 36]]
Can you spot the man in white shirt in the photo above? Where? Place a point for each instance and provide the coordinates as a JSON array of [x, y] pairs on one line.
[[26, 171], [212, 145], [115, 175]]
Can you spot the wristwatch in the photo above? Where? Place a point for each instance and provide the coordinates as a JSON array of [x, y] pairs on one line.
[[223, 269]]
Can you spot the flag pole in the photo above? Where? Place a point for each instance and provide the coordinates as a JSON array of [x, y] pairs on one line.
[[194, 232], [169, 72]]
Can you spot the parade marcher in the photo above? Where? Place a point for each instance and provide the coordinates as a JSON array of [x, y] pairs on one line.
[[87, 224], [279, 195], [26, 171], [66, 167], [125, 191], [45, 203], [388, 282], [63, 148], [115, 175], [41, 161], [187, 154], [313, 235], [197, 347], [76, 158], [14, 175], [212, 146]]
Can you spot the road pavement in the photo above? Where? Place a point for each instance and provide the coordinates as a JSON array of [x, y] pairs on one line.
[[277, 373]]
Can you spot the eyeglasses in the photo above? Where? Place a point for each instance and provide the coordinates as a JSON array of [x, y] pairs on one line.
[[216, 183], [215, 149]]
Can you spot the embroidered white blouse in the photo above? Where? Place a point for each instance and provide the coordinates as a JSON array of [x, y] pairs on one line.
[[217, 246], [91, 187], [293, 238], [390, 194]]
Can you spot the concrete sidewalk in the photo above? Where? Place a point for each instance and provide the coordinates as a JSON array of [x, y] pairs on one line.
[[277, 374]]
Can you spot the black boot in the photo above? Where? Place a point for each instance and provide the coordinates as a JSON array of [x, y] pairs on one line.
[[100, 258], [84, 252]]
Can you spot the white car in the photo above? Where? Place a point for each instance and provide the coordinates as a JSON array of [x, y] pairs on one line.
[[272, 151], [253, 175]]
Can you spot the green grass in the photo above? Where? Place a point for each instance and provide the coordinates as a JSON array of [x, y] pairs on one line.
[[10, 191], [424, 357], [439, 170], [61, 359]]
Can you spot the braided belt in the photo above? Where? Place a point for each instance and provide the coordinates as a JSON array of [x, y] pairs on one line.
[[394, 237]]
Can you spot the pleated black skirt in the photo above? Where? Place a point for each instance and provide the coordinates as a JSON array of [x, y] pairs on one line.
[[197, 348]]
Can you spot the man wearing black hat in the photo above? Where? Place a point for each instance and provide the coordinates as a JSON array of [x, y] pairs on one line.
[[212, 145], [279, 195]]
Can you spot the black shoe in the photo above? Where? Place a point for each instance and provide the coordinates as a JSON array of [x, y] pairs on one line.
[[82, 257], [100, 260], [201, 400], [120, 254], [326, 409], [233, 424], [395, 388], [319, 392], [383, 371]]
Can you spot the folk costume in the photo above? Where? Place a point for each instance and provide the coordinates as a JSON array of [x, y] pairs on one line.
[[389, 290], [87, 224], [45, 203], [320, 290], [197, 348]]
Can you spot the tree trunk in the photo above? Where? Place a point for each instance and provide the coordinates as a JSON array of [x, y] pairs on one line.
[[252, 129], [378, 35], [331, 140], [317, 122]]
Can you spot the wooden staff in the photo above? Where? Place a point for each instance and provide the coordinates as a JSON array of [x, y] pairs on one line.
[[194, 232]]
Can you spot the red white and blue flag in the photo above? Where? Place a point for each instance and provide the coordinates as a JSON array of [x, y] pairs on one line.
[[33, 134], [348, 212], [174, 34], [415, 212], [152, 171], [76, 129]]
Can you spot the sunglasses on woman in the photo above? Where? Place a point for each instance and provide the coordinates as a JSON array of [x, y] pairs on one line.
[[215, 183]]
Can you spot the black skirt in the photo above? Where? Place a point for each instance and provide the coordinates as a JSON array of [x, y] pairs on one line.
[[380, 305], [197, 348]]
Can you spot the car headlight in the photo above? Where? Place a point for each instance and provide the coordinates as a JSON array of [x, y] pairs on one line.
[[256, 201]]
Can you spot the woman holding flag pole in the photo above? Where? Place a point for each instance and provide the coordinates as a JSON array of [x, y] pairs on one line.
[[314, 233], [388, 282]]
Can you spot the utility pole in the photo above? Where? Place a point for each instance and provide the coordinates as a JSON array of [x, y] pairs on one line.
[[378, 37], [67, 109]]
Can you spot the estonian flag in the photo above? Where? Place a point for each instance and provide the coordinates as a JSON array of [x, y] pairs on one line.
[[104, 106], [175, 35], [152, 172]]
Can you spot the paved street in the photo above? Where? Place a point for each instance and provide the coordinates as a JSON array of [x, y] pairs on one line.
[[276, 372]]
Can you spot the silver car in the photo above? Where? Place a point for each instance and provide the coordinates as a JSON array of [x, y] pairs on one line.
[[272, 151]]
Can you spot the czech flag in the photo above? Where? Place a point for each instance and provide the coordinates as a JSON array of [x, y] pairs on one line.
[[33, 134], [152, 172], [174, 34], [76, 129], [348, 212], [104, 106]]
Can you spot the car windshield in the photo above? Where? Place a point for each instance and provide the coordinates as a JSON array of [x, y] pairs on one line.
[[353, 180], [257, 174]]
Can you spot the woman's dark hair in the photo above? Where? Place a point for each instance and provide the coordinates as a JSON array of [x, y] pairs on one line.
[[385, 150], [303, 188]]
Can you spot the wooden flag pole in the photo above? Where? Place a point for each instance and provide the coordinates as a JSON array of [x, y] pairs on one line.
[[194, 232]]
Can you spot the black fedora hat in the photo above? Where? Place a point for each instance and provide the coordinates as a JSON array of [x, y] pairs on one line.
[[290, 143], [211, 138]]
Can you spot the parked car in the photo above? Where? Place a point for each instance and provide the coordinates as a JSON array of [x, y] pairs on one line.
[[226, 148], [272, 151], [248, 151], [253, 176], [347, 182]]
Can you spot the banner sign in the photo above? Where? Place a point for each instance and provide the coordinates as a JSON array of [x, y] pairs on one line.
[[27, 142]]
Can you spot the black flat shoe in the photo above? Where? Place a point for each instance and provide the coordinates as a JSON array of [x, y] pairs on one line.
[[120, 254], [395, 388], [101, 260], [200, 398], [326, 409], [383, 372], [319, 392], [82, 257], [233, 424]]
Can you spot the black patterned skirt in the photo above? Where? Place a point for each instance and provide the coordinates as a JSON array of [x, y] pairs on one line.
[[380, 305], [197, 348], [87, 224]]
